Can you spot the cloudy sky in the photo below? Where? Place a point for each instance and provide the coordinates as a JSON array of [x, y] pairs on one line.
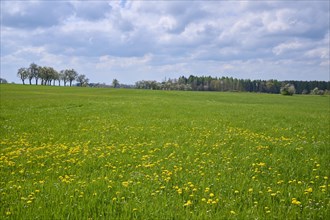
[[154, 40]]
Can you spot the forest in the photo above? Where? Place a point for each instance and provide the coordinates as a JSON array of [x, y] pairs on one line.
[[226, 84]]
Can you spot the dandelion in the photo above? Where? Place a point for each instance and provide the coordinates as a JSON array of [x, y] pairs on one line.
[[125, 184], [188, 203], [294, 201], [309, 190], [232, 212], [211, 195]]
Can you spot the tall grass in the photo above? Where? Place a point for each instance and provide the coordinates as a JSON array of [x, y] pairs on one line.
[[86, 153]]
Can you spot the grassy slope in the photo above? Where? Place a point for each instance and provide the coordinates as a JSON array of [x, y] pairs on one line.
[[220, 141]]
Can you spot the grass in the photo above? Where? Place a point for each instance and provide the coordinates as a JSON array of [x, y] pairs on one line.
[[87, 153]]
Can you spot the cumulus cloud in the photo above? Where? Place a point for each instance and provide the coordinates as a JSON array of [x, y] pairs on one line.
[[134, 40]]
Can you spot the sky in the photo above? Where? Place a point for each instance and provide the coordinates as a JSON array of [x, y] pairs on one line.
[[158, 40]]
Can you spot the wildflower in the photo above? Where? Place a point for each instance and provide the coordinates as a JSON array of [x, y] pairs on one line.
[[250, 190], [309, 190], [211, 195], [295, 201], [232, 212], [188, 203], [125, 184]]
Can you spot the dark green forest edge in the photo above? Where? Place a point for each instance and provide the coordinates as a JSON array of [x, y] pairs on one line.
[[49, 76]]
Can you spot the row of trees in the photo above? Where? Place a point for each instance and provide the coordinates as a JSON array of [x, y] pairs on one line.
[[208, 83], [48, 75]]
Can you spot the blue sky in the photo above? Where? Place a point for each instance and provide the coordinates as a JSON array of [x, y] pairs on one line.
[[154, 40]]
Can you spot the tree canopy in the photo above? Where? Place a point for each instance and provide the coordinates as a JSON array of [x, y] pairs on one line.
[[49, 75]]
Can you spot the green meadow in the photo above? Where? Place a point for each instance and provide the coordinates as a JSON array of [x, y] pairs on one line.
[[92, 153]]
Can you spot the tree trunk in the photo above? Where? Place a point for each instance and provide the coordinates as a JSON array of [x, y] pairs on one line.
[[70, 82], [23, 82], [30, 81], [36, 81]]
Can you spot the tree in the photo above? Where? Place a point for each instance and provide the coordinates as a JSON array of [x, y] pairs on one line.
[[115, 83], [82, 80], [64, 76], [3, 81], [317, 91], [43, 74], [288, 89], [56, 76], [60, 77], [34, 72], [71, 75], [23, 74]]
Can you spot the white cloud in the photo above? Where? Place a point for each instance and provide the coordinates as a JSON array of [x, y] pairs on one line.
[[288, 46]]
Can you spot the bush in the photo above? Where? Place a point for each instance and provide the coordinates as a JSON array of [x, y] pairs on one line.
[[317, 91], [3, 81], [288, 89]]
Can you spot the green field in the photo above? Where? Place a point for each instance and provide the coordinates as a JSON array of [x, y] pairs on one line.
[[91, 153]]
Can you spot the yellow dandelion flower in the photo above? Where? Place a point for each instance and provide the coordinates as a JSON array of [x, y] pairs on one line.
[[211, 195], [295, 201], [125, 184], [188, 203], [232, 212], [309, 190]]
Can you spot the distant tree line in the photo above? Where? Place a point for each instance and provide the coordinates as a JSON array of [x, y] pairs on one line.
[[48, 75], [208, 83]]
